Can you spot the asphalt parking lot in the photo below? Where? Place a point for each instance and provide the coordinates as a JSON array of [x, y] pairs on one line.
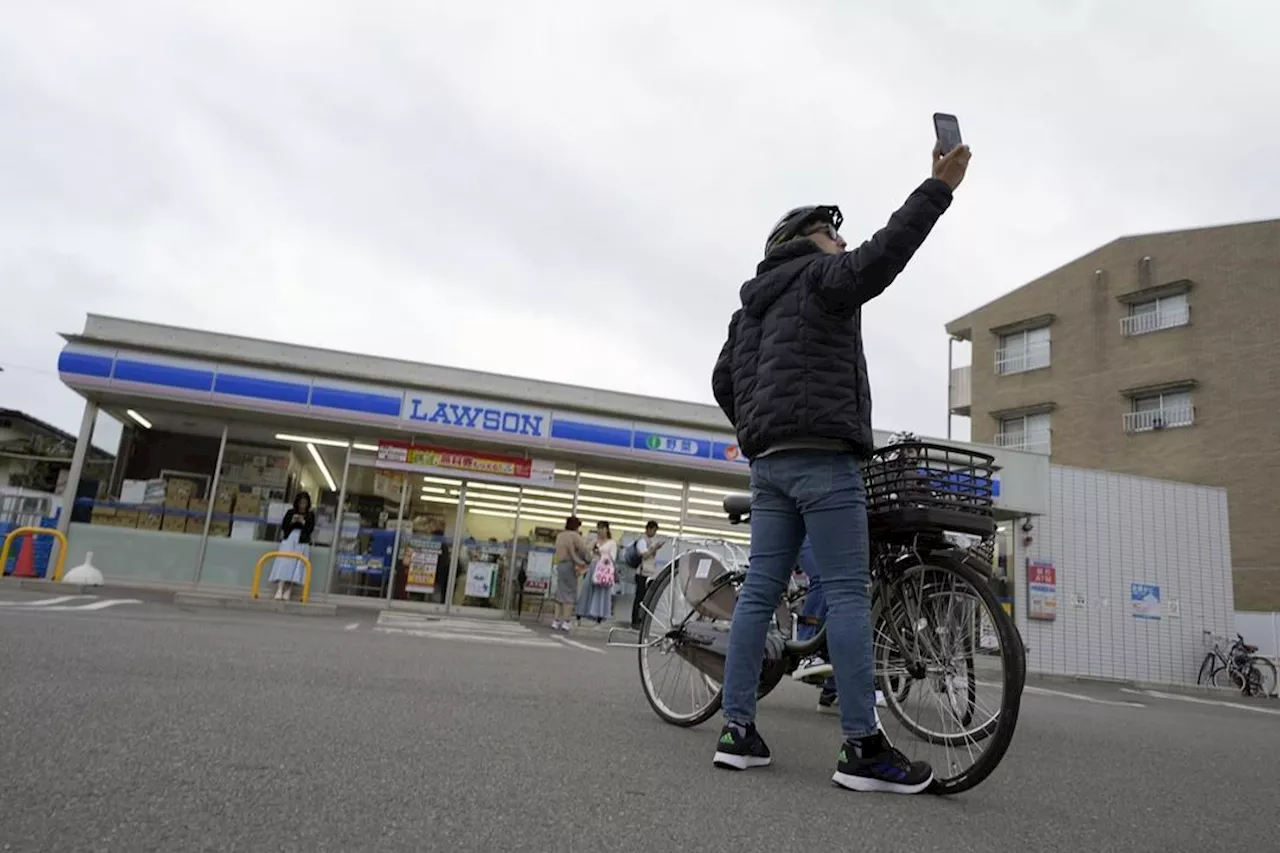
[[142, 726]]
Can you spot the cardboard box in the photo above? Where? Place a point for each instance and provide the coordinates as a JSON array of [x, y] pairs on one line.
[[150, 519], [103, 515], [248, 504], [178, 493], [174, 522], [225, 500], [220, 528], [126, 518]]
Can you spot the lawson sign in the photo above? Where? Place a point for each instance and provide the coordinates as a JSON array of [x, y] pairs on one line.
[[467, 415]]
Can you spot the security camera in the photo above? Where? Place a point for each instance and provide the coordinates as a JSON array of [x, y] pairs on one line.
[[1027, 526]]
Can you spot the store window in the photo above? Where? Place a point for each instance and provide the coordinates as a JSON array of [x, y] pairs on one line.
[[146, 523]]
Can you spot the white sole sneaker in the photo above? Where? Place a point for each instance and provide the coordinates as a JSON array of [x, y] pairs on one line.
[[728, 761], [815, 674], [868, 785]]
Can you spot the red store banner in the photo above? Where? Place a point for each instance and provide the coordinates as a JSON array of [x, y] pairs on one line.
[[405, 456]]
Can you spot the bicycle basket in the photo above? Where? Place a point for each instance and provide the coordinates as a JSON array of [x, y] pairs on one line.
[[916, 487]]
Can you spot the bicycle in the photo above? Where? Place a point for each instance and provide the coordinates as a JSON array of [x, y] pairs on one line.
[[1239, 668], [930, 598]]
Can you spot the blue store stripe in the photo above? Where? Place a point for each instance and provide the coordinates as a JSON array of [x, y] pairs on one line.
[[355, 401], [609, 436], [164, 375], [84, 364], [262, 389]]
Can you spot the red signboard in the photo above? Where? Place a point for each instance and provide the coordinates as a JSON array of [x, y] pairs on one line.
[[407, 456]]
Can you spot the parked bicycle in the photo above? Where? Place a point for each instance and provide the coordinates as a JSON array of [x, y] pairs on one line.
[[1238, 667], [931, 600]]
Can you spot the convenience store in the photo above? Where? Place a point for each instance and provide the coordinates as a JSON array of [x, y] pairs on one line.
[[431, 484]]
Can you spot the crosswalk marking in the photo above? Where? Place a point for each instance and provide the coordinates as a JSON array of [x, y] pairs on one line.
[[492, 631]]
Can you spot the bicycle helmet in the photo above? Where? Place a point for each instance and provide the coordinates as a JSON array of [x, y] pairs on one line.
[[797, 219]]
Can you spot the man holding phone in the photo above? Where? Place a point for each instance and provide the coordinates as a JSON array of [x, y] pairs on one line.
[[792, 378]]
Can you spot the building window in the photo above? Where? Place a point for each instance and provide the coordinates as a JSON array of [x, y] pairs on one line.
[[1025, 432], [1160, 411], [1166, 312], [1023, 351]]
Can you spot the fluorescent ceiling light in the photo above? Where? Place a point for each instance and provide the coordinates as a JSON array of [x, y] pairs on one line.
[[304, 439], [142, 422], [328, 478], [444, 481], [561, 472], [635, 493], [662, 484], [371, 448]]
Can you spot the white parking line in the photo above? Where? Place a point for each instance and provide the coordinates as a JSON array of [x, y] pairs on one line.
[[352, 626], [102, 604], [468, 638], [43, 602], [1079, 697], [578, 645], [1195, 700]]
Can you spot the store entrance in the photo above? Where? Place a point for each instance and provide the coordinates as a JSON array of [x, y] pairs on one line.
[[505, 536]]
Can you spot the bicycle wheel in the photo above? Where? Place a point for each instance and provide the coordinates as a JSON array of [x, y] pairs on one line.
[[950, 715], [1205, 677], [678, 692], [1261, 674]]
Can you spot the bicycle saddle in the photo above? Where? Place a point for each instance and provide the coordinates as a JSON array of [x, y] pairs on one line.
[[738, 505]]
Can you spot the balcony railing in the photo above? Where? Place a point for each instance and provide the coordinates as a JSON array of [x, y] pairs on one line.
[[1166, 418], [1034, 441], [1020, 359], [961, 389], [1154, 321]]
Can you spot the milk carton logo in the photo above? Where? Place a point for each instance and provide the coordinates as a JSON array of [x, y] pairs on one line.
[[476, 416]]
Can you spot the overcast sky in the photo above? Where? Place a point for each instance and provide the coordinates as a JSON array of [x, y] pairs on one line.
[[574, 190]]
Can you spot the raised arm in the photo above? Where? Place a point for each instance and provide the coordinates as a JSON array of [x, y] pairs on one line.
[[849, 280]]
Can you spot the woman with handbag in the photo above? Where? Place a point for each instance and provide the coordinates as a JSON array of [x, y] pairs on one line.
[[596, 601]]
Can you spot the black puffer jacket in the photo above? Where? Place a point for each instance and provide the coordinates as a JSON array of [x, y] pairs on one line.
[[793, 369]]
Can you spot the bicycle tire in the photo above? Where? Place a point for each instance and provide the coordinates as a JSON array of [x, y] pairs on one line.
[[657, 587], [1013, 654], [1268, 683], [770, 678], [1205, 677]]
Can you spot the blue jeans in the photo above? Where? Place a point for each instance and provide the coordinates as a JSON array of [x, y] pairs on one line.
[[815, 602], [820, 493]]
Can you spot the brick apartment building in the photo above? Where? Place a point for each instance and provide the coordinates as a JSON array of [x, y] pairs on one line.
[[1156, 355]]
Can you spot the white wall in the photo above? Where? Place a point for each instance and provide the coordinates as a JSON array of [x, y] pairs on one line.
[[1106, 531], [1261, 630]]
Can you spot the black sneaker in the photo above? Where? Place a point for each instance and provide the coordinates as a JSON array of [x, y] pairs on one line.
[[828, 701], [740, 748], [872, 764]]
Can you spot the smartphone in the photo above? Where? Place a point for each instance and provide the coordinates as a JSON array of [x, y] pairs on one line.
[[947, 129]]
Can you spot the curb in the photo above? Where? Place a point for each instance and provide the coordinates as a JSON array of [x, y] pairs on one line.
[[268, 605]]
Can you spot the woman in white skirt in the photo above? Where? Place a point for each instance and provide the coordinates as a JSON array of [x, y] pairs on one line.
[[295, 538]]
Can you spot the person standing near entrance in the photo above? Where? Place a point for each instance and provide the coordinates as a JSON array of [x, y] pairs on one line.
[[295, 534], [642, 555], [596, 598], [571, 559]]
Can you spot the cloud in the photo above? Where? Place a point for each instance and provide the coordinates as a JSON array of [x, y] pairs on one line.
[[576, 193]]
